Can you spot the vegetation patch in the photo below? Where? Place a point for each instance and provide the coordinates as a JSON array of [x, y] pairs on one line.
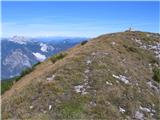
[[36, 64], [71, 110], [84, 42], [57, 57], [7, 83], [26, 71], [156, 75]]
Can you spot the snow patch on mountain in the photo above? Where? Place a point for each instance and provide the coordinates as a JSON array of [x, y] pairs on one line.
[[39, 56], [19, 39], [44, 47]]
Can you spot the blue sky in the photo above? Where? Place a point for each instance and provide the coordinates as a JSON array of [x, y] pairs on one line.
[[83, 19]]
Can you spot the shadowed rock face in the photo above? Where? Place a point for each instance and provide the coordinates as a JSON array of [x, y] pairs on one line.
[[109, 77], [17, 58]]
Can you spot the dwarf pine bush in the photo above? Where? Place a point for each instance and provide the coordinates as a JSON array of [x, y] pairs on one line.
[[57, 57]]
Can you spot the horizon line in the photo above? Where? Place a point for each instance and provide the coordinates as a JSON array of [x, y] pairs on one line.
[[64, 36]]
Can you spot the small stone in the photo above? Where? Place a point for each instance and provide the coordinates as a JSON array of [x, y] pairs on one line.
[[86, 71], [50, 107], [93, 53], [88, 87], [93, 103], [108, 83], [148, 35], [145, 109], [125, 71], [121, 78], [113, 43], [78, 88], [51, 78], [122, 110], [150, 84], [89, 62], [84, 93], [31, 107], [85, 83], [151, 114], [106, 53], [44, 111], [139, 115]]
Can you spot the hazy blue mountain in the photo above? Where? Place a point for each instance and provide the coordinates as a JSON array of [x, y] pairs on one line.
[[19, 52]]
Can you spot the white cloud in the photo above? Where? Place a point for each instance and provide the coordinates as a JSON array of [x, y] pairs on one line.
[[91, 28], [59, 29]]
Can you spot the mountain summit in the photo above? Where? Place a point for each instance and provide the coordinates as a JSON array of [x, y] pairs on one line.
[[109, 77], [20, 39]]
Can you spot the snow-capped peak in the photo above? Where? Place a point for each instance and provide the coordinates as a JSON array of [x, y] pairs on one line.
[[19, 39]]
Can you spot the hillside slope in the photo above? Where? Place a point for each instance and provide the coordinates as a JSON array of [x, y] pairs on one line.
[[110, 77]]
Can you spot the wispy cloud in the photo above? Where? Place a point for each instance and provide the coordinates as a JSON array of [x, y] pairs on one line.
[[77, 18], [86, 29], [61, 29]]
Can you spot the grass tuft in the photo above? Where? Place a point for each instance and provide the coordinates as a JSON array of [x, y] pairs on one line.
[[26, 71], [156, 75], [7, 84], [57, 57], [71, 110], [84, 42]]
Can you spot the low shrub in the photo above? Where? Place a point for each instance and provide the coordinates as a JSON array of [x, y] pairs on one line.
[[84, 42], [26, 71], [154, 60], [7, 83], [36, 64], [57, 57], [156, 74]]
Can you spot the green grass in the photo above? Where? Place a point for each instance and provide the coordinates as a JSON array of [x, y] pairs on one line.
[[36, 64], [156, 75], [57, 57], [84, 42], [71, 110], [26, 71], [5, 85]]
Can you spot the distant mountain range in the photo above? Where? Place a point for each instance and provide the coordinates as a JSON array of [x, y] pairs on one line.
[[19, 52]]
